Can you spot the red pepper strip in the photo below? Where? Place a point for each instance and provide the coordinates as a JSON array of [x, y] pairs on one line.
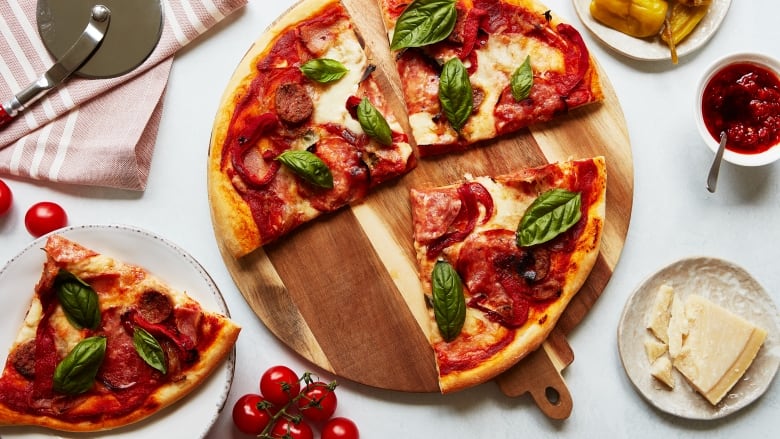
[[470, 29], [258, 127], [471, 194], [519, 315], [577, 61], [182, 341], [352, 104]]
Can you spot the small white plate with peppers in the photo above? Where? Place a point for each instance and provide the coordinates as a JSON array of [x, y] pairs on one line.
[[646, 15]]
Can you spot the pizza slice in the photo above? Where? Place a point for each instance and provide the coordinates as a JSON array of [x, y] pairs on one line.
[[105, 344], [500, 258], [472, 70], [302, 130]]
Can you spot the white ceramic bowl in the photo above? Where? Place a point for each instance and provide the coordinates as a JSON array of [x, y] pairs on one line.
[[758, 159]]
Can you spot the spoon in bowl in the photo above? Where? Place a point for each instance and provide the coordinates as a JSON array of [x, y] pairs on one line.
[[712, 178]]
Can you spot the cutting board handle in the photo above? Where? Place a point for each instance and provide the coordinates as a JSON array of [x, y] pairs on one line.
[[540, 375]]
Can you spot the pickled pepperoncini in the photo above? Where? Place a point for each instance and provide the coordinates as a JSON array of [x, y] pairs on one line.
[[638, 18]]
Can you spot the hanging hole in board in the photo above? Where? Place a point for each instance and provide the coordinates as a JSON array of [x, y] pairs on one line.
[[552, 395]]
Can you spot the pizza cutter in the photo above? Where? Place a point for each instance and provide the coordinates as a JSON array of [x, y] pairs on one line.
[[91, 39]]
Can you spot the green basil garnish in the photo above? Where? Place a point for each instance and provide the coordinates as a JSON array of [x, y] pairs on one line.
[[449, 303], [78, 300], [76, 372], [424, 22], [551, 214], [308, 166], [373, 123], [522, 80], [149, 349], [455, 93], [324, 70]]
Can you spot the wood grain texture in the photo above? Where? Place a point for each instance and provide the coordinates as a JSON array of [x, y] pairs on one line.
[[342, 291]]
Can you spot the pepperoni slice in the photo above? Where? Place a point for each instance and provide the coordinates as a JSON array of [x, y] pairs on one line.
[[489, 263], [23, 359], [293, 103], [350, 175], [154, 306], [122, 367]]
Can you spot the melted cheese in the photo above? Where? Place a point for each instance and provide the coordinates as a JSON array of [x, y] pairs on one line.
[[331, 97], [719, 348], [497, 60]]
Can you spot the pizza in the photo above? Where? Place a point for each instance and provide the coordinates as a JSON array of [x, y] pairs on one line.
[[500, 258], [473, 70], [105, 344], [303, 129]]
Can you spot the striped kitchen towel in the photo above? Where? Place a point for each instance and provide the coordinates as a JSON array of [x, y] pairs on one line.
[[98, 132]]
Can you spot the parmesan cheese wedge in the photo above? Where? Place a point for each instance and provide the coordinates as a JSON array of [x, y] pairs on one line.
[[718, 349], [662, 370], [654, 348], [658, 321], [678, 326]]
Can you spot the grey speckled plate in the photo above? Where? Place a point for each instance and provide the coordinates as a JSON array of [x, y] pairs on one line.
[[725, 284]]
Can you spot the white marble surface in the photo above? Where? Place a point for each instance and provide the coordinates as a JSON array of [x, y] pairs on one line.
[[673, 217]]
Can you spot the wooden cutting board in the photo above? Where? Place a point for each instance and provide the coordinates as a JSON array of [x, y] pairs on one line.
[[343, 292]]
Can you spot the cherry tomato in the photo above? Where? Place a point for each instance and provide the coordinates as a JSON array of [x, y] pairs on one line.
[[279, 384], [248, 416], [340, 428], [317, 402], [6, 197], [41, 218], [285, 428]]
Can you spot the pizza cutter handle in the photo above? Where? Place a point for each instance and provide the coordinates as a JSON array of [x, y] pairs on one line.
[[75, 57]]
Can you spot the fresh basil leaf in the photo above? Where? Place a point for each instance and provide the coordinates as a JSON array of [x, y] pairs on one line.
[[324, 70], [449, 303], [373, 123], [551, 214], [424, 22], [308, 166], [522, 80], [79, 300], [455, 93], [149, 349], [76, 372]]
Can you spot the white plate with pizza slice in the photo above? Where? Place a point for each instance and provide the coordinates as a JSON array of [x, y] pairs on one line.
[[653, 49], [726, 285], [191, 417]]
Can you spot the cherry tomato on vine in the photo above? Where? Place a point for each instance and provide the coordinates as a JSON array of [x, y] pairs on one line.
[[248, 417], [317, 402], [6, 197], [340, 428], [41, 218], [285, 428], [279, 384]]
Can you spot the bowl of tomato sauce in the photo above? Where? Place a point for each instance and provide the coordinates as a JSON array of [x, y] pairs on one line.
[[740, 95]]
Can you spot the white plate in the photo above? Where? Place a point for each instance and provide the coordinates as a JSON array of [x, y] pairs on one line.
[[191, 417], [725, 284], [653, 49]]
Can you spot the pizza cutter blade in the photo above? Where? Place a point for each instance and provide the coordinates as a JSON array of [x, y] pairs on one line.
[[135, 30], [136, 27]]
